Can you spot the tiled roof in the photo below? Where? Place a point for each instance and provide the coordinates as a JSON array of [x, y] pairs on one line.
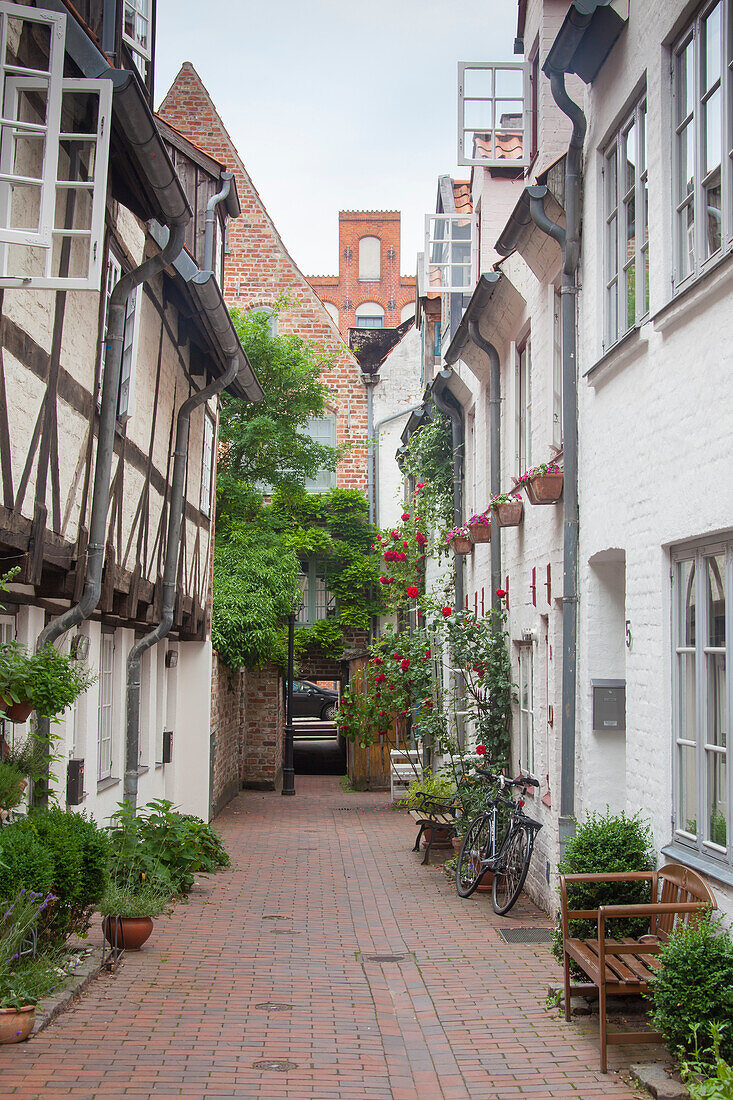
[[507, 146], [462, 196]]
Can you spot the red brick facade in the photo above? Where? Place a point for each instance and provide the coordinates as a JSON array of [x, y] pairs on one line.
[[346, 291], [258, 268]]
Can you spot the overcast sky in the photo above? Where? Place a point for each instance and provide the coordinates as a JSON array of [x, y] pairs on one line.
[[336, 104]]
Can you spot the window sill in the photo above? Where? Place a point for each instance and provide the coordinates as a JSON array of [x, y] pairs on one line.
[[142, 769], [105, 784], [713, 281], [624, 351], [694, 860]]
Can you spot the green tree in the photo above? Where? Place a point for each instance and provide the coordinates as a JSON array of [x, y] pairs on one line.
[[268, 443]]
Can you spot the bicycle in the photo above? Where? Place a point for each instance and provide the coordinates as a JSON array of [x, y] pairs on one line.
[[508, 857]]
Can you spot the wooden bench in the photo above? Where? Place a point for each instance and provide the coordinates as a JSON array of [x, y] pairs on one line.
[[626, 966], [405, 768], [437, 821]]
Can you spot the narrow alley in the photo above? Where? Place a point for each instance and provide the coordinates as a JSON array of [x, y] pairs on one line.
[[272, 961]]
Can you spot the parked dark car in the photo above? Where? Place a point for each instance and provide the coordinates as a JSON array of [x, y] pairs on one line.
[[311, 701]]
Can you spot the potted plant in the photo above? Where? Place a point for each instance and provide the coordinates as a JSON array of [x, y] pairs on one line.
[[543, 483], [479, 526], [47, 682], [508, 509], [128, 911], [23, 980], [459, 539]]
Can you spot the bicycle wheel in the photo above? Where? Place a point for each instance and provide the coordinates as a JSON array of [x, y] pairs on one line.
[[474, 848], [511, 871]]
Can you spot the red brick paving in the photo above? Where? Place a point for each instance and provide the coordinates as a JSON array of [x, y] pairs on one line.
[[462, 1017]]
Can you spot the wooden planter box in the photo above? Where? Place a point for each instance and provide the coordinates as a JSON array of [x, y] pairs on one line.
[[544, 488], [480, 532], [508, 514], [461, 546]]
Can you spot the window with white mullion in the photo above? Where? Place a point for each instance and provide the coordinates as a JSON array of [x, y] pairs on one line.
[[627, 235], [105, 712], [526, 709], [450, 252]]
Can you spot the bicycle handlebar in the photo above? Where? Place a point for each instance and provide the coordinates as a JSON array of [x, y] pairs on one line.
[[505, 781]]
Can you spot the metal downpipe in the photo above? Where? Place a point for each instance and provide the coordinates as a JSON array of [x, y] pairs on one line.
[[226, 186], [103, 464], [494, 450], [170, 569], [570, 243]]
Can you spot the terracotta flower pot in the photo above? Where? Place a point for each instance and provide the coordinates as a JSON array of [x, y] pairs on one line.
[[461, 545], [128, 932], [544, 488], [19, 712], [441, 834], [480, 532], [508, 514], [16, 1024]]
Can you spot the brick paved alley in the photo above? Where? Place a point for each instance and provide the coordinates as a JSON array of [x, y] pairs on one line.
[[318, 884]]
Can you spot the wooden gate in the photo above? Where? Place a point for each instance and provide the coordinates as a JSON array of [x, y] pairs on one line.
[[369, 767]]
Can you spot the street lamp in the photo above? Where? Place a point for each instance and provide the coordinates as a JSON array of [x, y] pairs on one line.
[[288, 761]]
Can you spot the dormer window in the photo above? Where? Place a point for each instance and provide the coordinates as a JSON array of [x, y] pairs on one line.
[[451, 244], [136, 33], [494, 125]]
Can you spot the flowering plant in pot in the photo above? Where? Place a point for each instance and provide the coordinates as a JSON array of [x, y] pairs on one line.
[[543, 483], [128, 909], [479, 525], [47, 682], [24, 980], [508, 509], [459, 539]]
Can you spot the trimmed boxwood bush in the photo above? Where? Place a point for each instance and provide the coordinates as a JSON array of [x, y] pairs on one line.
[[695, 985], [604, 843], [25, 862], [80, 852]]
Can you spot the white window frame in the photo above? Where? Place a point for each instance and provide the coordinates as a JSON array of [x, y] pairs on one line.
[[523, 403], [207, 462], [105, 706], [438, 234], [324, 425], [465, 156], [526, 713], [692, 257], [623, 263], [54, 86], [317, 601], [699, 842], [376, 313], [130, 340], [134, 41]]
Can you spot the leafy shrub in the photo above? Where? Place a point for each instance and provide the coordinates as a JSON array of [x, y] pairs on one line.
[[206, 842], [694, 983], [25, 862], [11, 785], [79, 850], [606, 843], [697, 1069], [438, 786], [142, 900]]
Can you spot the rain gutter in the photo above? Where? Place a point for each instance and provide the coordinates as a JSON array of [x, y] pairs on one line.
[[220, 196]]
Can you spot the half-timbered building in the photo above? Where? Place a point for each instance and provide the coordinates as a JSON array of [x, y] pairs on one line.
[[114, 344]]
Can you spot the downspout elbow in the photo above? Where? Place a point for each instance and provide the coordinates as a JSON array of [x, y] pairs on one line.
[[226, 178]]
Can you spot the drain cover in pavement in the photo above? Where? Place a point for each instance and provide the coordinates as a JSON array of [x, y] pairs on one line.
[[274, 1006], [276, 916], [278, 1067], [281, 931], [526, 935], [384, 958]]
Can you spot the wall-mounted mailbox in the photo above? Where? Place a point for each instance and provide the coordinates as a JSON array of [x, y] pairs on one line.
[[167, 746], [609, 705], [75, 783]]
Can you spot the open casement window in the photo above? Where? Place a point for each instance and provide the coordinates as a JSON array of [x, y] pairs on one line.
[[136, 33], [54, 151], [627, 227], [450, 257], [494, 123], [702, 698], [317, 602], [129, 341], [702, 110], [322, 431], [207, 464]]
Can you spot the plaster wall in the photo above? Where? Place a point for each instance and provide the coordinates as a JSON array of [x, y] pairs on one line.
[[399, 387]]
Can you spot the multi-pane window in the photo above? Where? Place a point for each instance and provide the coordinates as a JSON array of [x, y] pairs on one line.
[[526, 709], [701, 75], [322, 431], [702, 626], [317, 602], [105, 718], [370, 260], [450, 255], [136, 32], [207, 464], [369, 315], [524, 408], [493, 114], [129, 340], [54, 143], [627, 227]]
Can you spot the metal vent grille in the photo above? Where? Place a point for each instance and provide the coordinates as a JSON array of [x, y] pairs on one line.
[[526, 935], [278, 1066], [384, 958]]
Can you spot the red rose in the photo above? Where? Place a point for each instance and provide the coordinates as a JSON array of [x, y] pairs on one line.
[[481, 750], [378, 661], [428, 702], [394, 534], [403, 713], [420, 485], [378, 679], [405, 515], [384, 580], [391, 687], [412, 591], [405, 543], [428, 652], [382, 713], [501, 593], [446, 612], [405, 664]]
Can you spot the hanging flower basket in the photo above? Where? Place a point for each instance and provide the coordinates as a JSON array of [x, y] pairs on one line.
[[508, 510], [480, 527], [459, 540], [543, 483]]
